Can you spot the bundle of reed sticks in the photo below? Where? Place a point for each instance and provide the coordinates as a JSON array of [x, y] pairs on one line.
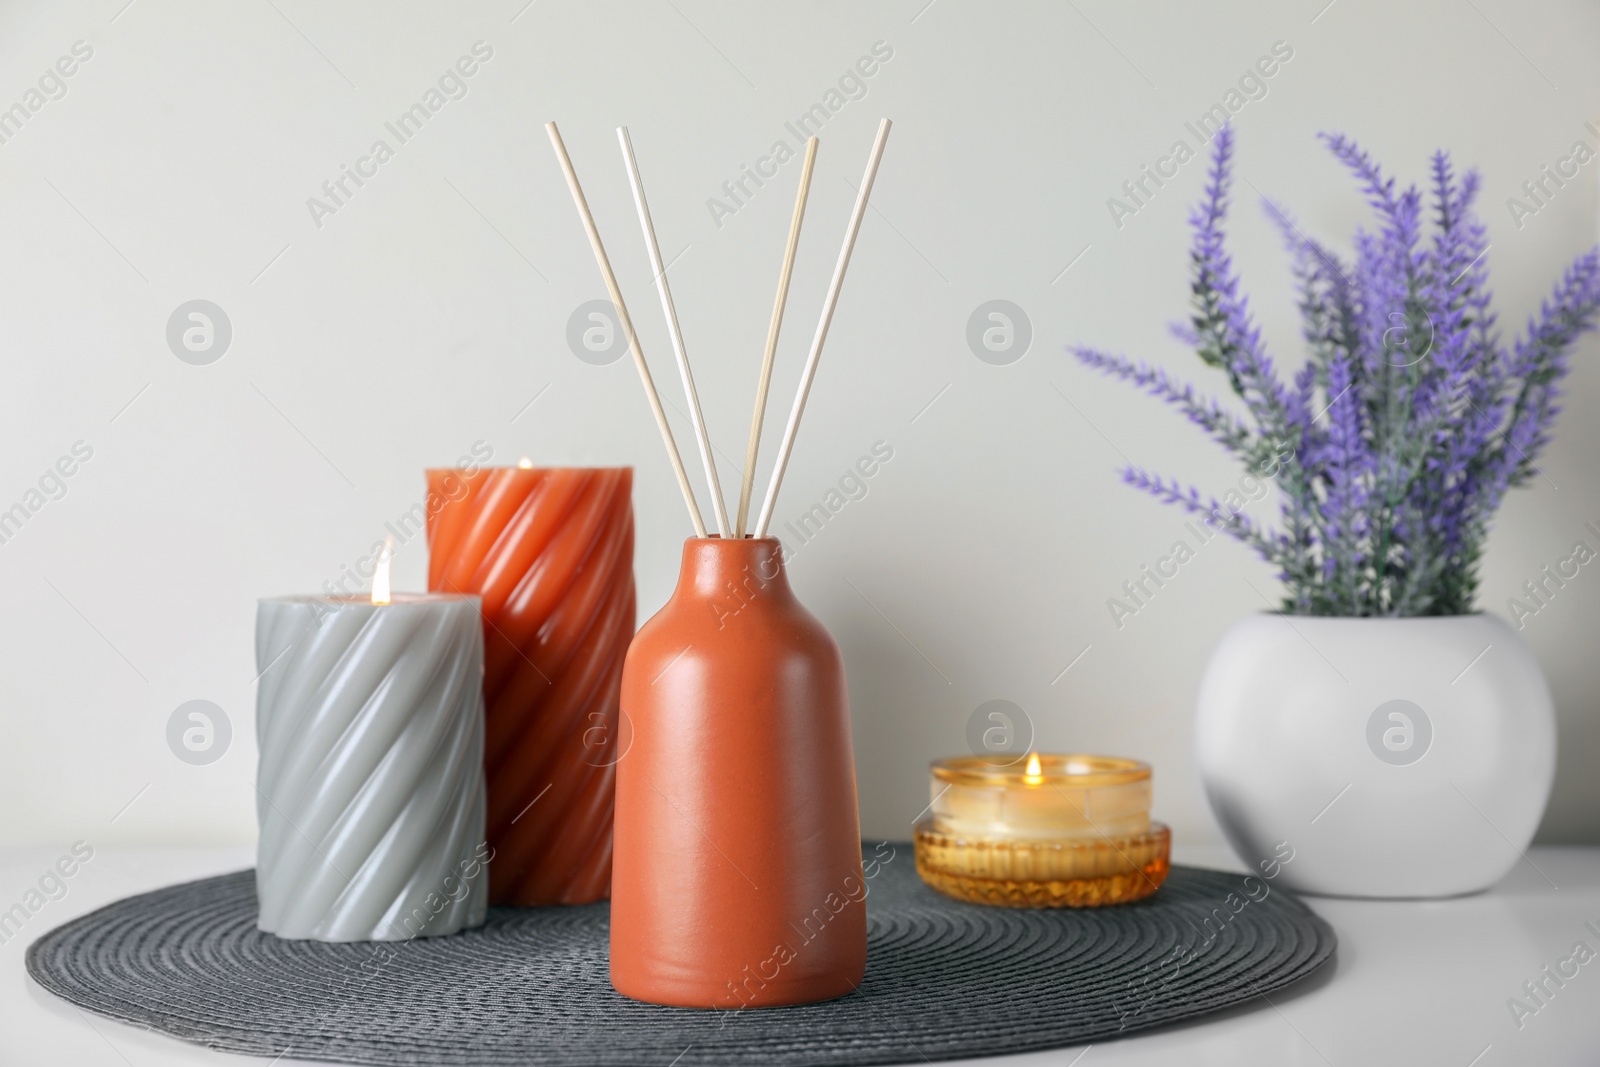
[[764, 517]]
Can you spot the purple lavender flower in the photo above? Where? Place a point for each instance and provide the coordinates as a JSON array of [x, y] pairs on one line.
[[1398, 438]]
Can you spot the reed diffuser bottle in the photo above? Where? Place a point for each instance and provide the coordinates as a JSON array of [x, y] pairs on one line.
[[737, 871]]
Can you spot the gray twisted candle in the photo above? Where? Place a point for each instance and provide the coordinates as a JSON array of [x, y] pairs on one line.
[[370, 794]]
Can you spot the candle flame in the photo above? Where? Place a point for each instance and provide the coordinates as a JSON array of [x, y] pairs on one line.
[[525, 463], [380, 576], [1034, 775]]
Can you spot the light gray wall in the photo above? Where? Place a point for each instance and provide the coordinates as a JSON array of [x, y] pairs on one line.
[[431, 309]]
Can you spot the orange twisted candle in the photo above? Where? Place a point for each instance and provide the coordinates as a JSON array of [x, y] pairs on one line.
[[550, 551]]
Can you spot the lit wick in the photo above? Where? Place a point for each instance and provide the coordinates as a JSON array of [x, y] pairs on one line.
[[1033, 775]]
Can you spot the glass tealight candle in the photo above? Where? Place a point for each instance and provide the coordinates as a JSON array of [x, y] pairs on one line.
[[1048, 831]]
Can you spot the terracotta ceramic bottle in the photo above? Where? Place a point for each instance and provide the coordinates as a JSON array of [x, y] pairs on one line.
[[737, 878]]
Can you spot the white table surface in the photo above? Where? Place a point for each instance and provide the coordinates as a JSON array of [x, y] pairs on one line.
[[1413, 984]]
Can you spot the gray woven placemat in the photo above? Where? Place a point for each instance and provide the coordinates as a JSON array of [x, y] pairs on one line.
[[944, 980]]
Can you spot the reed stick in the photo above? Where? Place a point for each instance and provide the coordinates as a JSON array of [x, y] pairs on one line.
[[769, 356], [810, 372], [696, 415], [627, 325]]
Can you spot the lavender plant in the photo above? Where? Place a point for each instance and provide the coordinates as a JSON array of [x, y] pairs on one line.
[[1396, 441]]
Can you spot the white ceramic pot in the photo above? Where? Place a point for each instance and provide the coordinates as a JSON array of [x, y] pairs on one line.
[[1387, 757]]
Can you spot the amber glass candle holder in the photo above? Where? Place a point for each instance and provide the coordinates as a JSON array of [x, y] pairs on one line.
[[1050, 831]]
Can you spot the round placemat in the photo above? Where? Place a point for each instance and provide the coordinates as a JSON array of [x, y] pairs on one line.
[[944, 979]]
